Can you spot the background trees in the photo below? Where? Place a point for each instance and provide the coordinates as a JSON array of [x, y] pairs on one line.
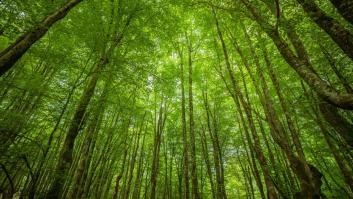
[[177, 99]]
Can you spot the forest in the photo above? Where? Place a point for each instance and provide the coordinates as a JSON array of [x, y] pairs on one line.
[[166, 99]]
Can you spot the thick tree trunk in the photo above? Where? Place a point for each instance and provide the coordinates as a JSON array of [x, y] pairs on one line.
[[338, 33], [14, 52]]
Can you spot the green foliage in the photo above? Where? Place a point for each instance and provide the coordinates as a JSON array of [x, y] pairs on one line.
[[39, 97]]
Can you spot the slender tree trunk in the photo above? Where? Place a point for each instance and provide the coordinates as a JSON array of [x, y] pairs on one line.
[[218, 152], [14, 52], [335, 151], [339, 159], [133, 159], [217, 155], [138, 181], [185, 140], [159, 128], [291, 126], [247, 109], [120, 175], [65, 158], [33, 187], [195, 190], [207, 161]]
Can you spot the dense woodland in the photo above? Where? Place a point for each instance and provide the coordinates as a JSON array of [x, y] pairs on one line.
[[176, 99]]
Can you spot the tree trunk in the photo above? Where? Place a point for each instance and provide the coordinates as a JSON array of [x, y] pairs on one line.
[[120, 175], [14, 52], [133, 158], [139, 174], [91, 134], [302, 67], [33, 187], [207, 162], [159, 128], [217, 154], [185, 139], [336, 154], [338, 33], [65, 158], [195, 190], [336, 70], [240, 101]]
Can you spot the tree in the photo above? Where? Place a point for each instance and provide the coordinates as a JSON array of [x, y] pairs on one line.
[[10, 55]]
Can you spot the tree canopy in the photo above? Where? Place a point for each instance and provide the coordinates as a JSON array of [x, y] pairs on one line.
[[176, 99]]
